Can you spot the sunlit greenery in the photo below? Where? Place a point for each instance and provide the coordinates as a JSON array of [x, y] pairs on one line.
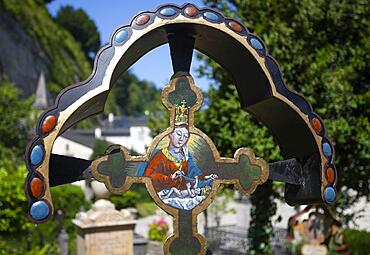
[[82, 28], [323, 50]]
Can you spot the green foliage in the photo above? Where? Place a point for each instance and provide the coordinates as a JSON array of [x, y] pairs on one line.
[[129, 199], [158, 230], [146, 208], [17, 234], [159, 119], [260, 227], [99, 148], [70, 199], [15, 121], [230, 128], [322, 47], [358, 241], [63, 54], [135, 97], [43, 2], [137, 197], [81, 27], [13, 203], [17, 245]]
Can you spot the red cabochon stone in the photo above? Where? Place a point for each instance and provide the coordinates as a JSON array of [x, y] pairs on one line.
[[191, 11], [330, 175], [36, 187], [235, 26], [142, 19], [49, 123], [316, 124]]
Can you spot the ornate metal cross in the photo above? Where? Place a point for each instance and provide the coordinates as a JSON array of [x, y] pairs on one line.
[[182, 168]]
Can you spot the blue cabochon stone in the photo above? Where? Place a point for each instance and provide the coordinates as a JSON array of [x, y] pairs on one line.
[[256, 44], [326, 149], [121, 36], [211, 16], [39, 210], [329, 195], [168, 11], [37, 154]]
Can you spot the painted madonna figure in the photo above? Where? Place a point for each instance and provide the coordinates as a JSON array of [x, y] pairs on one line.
[[176, 178]]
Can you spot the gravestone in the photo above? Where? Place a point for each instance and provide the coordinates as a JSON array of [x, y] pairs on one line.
[[104, 230]]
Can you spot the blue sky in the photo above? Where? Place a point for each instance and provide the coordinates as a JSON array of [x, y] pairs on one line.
[[111, 14]]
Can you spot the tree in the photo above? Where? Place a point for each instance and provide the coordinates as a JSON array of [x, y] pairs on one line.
[[82, 28], [230, 128], [13, 202], [99, 148], [15, 121], [15, 124], [322, 47], [43, 2], [135, 97]]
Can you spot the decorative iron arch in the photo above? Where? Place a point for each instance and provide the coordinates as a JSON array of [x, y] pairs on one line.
[[298, 130]]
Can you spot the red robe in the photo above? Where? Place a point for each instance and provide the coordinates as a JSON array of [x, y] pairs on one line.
[[160, 170]]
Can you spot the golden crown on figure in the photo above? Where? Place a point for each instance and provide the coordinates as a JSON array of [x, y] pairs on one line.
[[181, 114]]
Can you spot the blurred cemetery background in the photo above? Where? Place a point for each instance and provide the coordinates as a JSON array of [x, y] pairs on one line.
[[323, 48]]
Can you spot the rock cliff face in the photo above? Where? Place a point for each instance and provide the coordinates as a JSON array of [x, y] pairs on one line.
[[31, 42], [21, 58]]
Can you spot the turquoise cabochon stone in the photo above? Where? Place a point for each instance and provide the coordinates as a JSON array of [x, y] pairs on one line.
[[39, 210], [329, 195], [211, 16], [326, 149], [256, 44], [37, 155], [121, 36], [168, 11]]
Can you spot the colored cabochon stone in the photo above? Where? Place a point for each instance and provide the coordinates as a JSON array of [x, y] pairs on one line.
[[316, 125], [37, 155], [235, 26], [256, 44], [39, 210], [326, 149], [121, 36], [142, 19], [168, 12], [37, 187], [330, 175], [211, 16], [329, 195], [49, 123], [191, 11]]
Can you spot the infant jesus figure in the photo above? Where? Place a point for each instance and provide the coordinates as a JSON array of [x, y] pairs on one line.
[[192, 188]]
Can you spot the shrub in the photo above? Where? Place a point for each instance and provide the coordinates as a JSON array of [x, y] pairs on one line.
[[70, 199], [358, 241], [129, 199], [137, 197]]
